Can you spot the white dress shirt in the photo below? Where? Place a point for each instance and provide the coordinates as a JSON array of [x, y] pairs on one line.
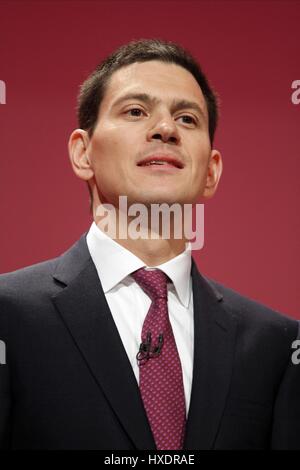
[[129, 304]]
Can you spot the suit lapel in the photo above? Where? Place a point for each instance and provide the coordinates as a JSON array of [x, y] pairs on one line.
[[214, 343], [85, 312]]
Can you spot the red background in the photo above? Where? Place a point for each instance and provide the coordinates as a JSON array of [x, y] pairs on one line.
[[251, 54]]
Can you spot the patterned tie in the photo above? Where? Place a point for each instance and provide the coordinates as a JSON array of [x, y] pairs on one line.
[[161, 383]]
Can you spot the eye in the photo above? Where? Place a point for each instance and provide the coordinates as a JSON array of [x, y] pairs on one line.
[[188, 119], [134, 112]]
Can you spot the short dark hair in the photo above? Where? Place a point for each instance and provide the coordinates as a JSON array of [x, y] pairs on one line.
[[93, 89]]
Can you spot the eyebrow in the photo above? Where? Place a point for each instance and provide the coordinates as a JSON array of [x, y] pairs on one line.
[[176, 105]]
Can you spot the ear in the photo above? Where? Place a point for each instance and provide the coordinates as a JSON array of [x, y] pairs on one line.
[[215, 167], [80, 161]]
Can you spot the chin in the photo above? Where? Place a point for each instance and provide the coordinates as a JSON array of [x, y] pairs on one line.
[[160, 196], [161, 199]]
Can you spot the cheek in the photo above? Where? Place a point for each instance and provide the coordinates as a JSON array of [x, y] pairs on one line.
[[201, 154], [104, 147], [113, 146]]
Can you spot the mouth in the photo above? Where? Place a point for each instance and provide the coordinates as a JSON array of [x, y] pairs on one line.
[[161, 162]]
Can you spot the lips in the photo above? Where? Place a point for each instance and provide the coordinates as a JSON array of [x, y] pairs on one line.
[[161, 160]]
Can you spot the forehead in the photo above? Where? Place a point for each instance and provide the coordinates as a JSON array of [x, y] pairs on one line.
[[163, 80]]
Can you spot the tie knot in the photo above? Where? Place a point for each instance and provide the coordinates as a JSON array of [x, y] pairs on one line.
[[153, 282]]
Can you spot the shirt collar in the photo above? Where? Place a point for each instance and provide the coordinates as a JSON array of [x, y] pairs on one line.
[[114, 263]]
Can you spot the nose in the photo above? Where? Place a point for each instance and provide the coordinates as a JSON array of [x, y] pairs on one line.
[[164, 129]]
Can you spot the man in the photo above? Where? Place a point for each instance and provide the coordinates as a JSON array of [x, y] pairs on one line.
[[120, 343]]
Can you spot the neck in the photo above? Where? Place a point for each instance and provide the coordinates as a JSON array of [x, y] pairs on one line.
[[153, 252], [152, 246]]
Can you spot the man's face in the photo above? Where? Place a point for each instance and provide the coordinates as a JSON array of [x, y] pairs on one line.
[[128, 131]]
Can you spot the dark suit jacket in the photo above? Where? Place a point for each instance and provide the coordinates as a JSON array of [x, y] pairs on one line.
[[68, 384]]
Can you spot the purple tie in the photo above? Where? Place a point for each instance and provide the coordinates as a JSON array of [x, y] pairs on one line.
[[161, 383]]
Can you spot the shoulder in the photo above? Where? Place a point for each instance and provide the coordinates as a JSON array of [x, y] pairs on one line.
[[35, 284], [38, 277], [27, 274], [26, 294], [253, 315], [25, 300], [26, 284]]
